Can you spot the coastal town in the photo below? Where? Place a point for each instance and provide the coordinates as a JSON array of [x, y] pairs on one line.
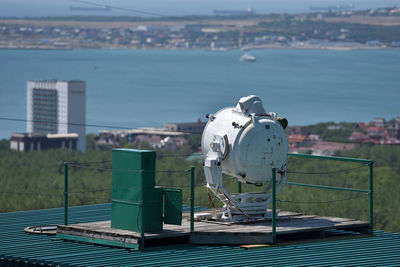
[[325, 138], [328, 138], [341, 29], [319, 139]]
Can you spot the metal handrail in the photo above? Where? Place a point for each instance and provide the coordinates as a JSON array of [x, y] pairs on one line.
[[370, 190]]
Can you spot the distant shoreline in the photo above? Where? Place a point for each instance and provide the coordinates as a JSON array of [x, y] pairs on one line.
[[323, 31], [331, 48]]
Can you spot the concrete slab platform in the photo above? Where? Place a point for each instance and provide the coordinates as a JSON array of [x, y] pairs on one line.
[[212, 232]]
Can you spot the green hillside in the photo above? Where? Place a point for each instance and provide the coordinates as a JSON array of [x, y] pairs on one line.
[[34, 180]]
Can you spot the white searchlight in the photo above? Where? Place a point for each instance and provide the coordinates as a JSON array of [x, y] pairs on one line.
[[244, 142]]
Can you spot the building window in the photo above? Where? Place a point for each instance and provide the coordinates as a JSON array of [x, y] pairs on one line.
[[44, 110]]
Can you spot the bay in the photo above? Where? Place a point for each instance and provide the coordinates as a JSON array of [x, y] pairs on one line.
[[137, 88], [39, 8]]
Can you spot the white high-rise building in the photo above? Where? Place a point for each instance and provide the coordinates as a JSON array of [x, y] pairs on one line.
[[57, 107]]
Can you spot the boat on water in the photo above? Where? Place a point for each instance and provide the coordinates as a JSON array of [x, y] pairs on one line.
[[100, 8], [247, 58]]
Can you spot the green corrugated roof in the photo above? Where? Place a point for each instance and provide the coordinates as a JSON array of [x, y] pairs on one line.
[[16, 245]]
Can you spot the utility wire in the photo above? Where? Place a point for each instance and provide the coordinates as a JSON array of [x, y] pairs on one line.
[[51, 194], [79, 124], [87, 163], [181, 18], [90, 197], [31, 193], [119, 8], [139, 11], [176, 155], [92, 191], [179, 186], [320, 202], [66, 123], [119, 170], [330, 172]]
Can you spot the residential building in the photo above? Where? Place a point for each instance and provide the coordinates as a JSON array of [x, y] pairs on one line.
[[335, 127], [186, 127], [376, 133], [360, 125], [224, 44], [374, 43], [329, 148], [379, 122], [297, 130], [170, 143], [40, 141], [359, 137], [193, 27], [160, 138], [296, 140], [394, 131], [57, 107]]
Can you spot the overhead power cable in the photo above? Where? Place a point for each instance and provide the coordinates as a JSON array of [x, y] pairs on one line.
[[88, 162], [123, 170], [118, 8], [92, 191], [32, 193], [321, 202], [181, 18], [67, 123], [78, 124], [330, 172], [132, 10]]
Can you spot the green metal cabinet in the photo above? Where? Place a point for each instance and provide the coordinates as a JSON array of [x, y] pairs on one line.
[[173, 206], [133, 189]]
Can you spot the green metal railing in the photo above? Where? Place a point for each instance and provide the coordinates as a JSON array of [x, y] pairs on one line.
[[273, 205], [192, 199], [369, 191], [66, 193]]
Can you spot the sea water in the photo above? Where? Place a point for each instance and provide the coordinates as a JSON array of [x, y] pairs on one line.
[[137, 88], [38, 8]]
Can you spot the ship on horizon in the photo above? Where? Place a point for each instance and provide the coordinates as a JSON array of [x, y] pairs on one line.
[[222, 12], [332, 8], [79, 8]]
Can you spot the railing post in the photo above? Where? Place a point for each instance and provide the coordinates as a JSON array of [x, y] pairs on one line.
[[142, 228], [239, 189], [66, 193], [371, 197], [192, 199], [273, 205], [142, 218]]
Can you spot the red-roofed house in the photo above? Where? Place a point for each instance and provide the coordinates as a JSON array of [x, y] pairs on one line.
[[362, 125], [329, 148], [376, 133], [296, 140], [358, 137]]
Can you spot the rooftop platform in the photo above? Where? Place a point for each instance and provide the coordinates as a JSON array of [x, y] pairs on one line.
[[289, 226], [19, 247]]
